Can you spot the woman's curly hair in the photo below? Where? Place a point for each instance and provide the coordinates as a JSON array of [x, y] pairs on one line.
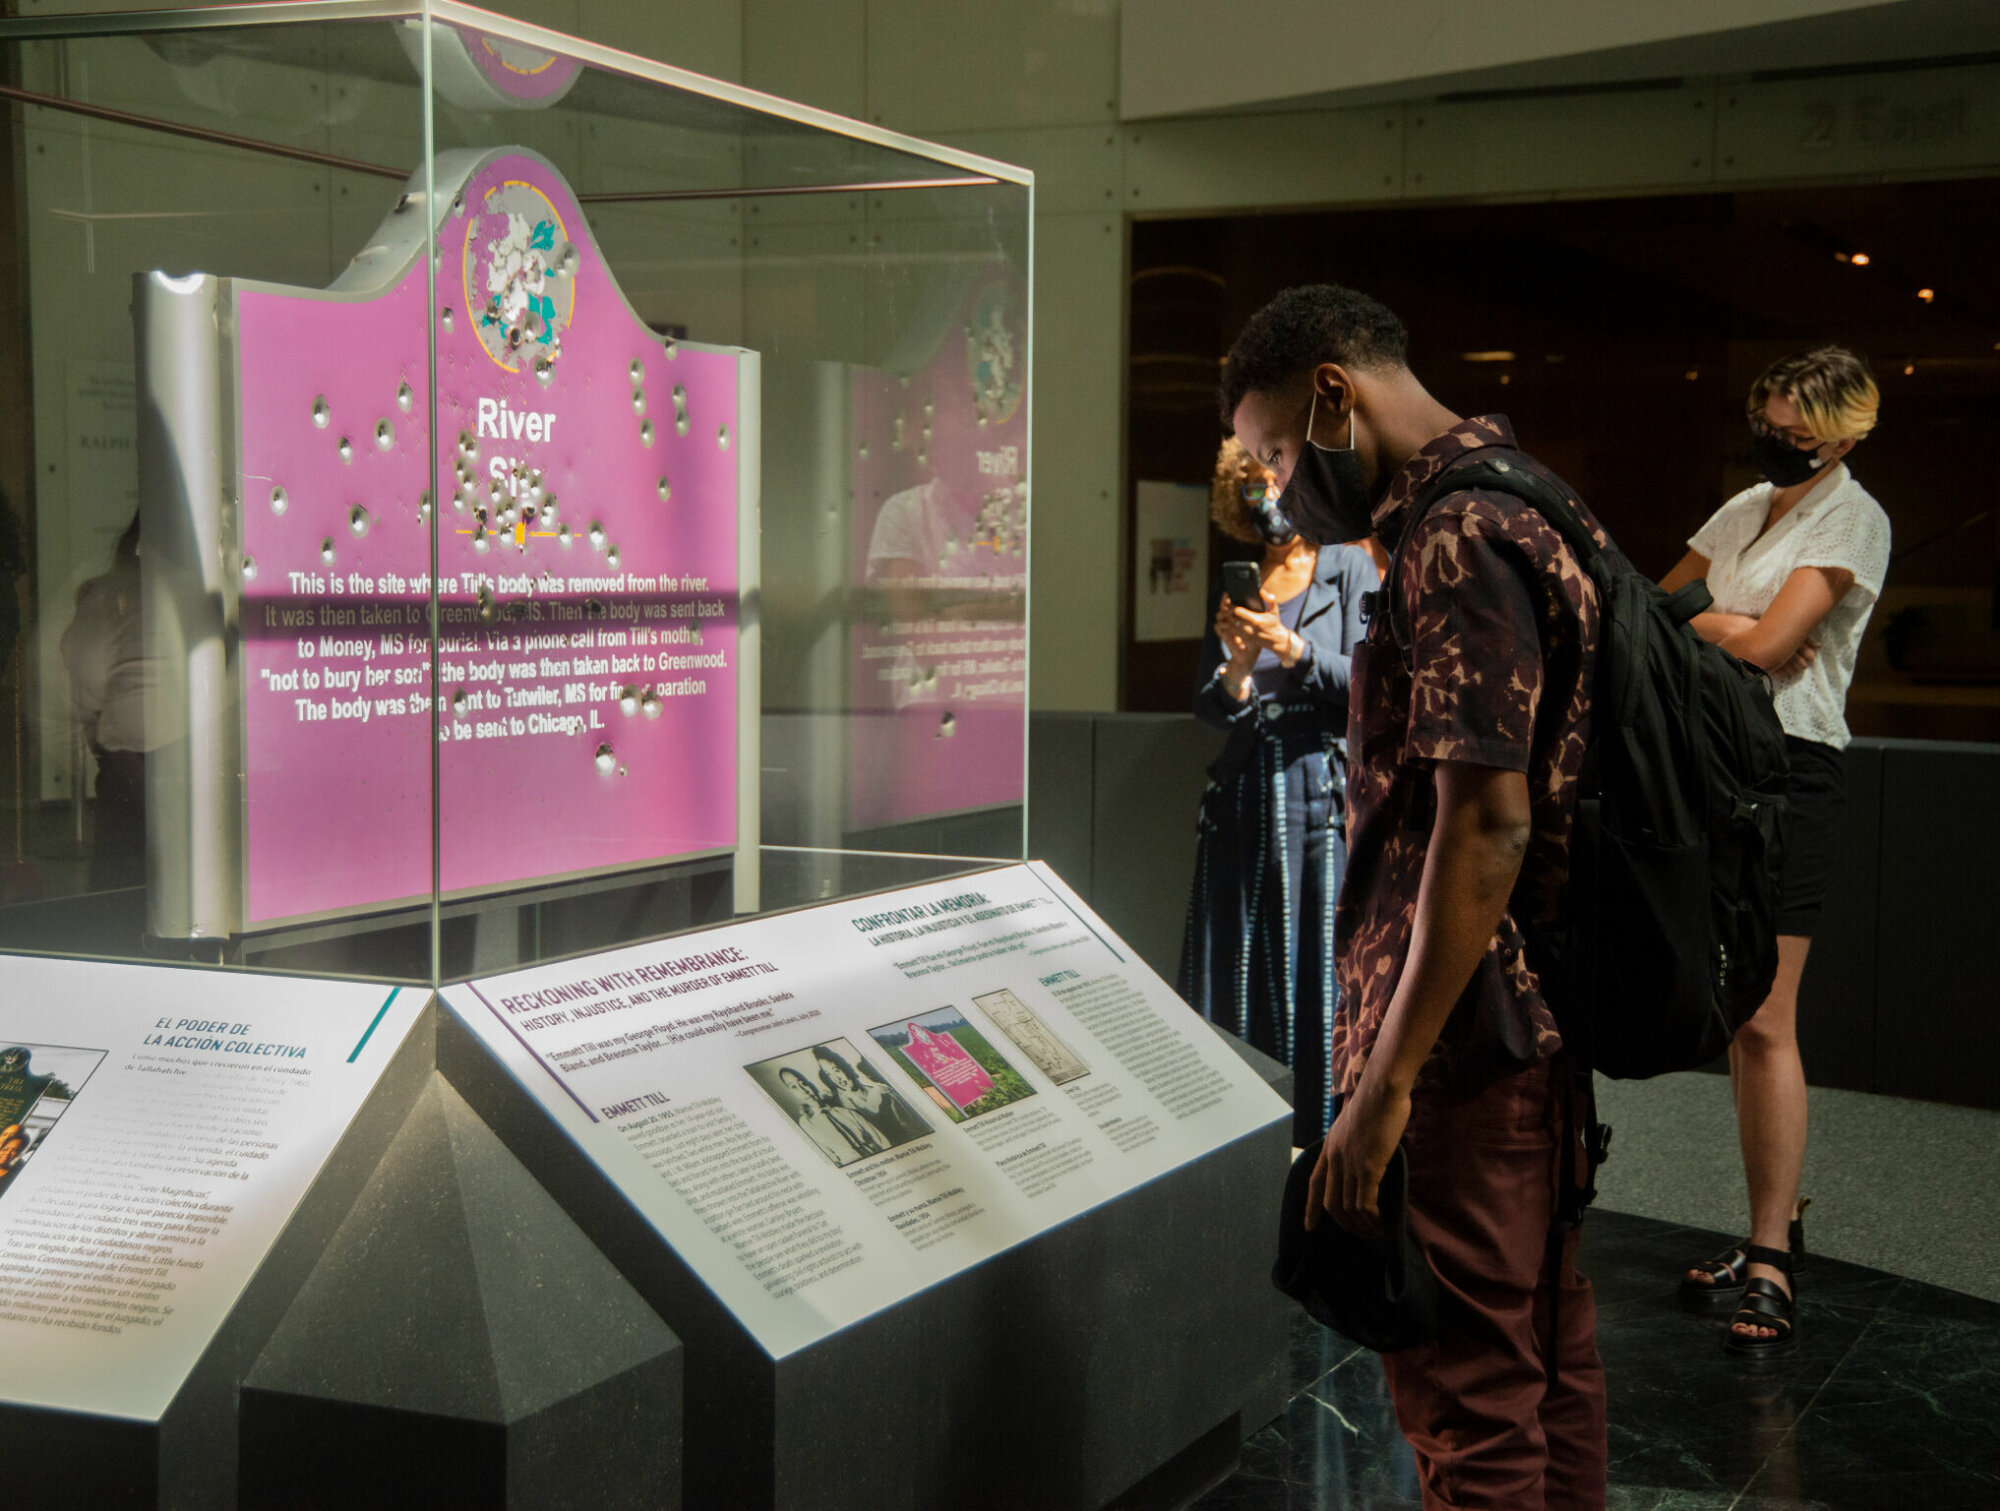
[[1235, 470]]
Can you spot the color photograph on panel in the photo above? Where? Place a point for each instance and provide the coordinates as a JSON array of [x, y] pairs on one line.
[[37, 1084], [955, 1063], [839, 1101]]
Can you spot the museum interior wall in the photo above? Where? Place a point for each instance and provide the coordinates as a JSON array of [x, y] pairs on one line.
[[1058, 86], [1620, 334], [1354, 53]]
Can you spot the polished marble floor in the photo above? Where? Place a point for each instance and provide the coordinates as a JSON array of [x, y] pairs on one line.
[[1890, 1403]]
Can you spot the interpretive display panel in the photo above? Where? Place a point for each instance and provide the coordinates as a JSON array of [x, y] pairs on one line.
[[826, 1111], [158, 1128], [590, 503], [941, 546]]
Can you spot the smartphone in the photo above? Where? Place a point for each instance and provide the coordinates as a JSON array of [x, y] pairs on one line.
[[1244, 584]]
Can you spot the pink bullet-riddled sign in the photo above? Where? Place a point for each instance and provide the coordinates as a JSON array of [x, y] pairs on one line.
[[939, 670], [518, 72], [585, 504], [953, 1071]]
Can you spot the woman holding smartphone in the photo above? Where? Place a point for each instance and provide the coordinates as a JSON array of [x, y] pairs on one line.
[[1257, 956], [1795, 564]]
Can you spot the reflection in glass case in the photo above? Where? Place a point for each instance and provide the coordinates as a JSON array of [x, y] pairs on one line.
[[478, 497]]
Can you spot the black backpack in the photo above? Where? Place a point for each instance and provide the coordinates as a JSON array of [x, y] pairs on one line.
[[1668, 941]]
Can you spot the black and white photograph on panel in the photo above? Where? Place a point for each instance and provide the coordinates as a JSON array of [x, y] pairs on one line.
[[839, 1101], [1032, 1036]]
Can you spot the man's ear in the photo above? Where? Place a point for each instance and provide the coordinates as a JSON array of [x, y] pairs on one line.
[[1333, 385]]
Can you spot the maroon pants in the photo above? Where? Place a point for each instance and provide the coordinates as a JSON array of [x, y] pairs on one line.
[[1476, 1403]]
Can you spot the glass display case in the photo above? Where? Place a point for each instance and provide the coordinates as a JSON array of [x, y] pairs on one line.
[[473, 496]]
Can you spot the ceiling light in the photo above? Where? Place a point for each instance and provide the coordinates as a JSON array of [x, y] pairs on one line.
[[1692, 375], [1506, 378], [1840, 257], [1488, 356], [1859, 259], [1909, 369], [1927, 295]]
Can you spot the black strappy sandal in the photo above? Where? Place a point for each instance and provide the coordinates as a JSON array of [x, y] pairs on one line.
[[1765, 1304], [1724, 1287]]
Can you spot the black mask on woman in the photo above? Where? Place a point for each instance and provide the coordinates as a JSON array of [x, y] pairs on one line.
[[1327, 499], [1782, 463], [1270, 523]]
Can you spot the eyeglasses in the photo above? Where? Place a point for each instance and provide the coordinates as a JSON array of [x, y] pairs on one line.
[[1257, 493], [1759, 426]]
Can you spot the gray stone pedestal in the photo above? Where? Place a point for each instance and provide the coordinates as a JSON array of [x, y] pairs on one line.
[[461, 1343], [1053, 1377], [189, 1456]]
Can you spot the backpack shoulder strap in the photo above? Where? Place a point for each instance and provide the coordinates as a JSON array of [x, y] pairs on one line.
[[1492, 474], [1498, 475]]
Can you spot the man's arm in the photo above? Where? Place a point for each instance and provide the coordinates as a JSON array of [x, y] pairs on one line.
[[1476, 846]]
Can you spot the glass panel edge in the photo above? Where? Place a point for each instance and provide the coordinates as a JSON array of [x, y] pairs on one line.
[[121, 23], [612, 59]]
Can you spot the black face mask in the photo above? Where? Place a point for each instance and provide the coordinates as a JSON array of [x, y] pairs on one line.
[[1781, 462], [1327, 498], [1269, 520]]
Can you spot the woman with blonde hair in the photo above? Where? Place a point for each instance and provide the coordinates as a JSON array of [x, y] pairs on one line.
[[1795, 565], [1257, 955]]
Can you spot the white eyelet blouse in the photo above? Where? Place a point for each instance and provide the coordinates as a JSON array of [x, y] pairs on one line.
[[1838, 525]]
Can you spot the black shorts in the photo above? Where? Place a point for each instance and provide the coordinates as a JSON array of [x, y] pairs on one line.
[[1817, 792]]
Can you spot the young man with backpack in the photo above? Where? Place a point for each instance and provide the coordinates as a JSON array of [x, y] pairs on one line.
[[1469, 718]]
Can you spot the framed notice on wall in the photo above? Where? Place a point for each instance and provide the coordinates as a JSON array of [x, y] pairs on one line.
[[825, 1112], [1170, 562]]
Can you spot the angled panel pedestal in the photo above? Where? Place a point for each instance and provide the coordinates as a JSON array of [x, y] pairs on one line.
[[461, 1342]]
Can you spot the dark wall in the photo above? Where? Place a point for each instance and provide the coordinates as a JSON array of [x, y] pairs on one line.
[[1936, 1022], [1634, 328], [1111, 807], [1899, 994]]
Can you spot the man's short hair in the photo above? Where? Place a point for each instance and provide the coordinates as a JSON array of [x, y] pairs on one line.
[[1300, 329]]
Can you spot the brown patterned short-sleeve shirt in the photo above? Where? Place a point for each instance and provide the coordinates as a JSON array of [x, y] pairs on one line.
[[1502, 629]]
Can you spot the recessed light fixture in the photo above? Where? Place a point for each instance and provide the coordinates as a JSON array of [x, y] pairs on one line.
[[1842, 257], [1860, 259], [1927, 295], [1495, 356], [1909, 369], [1692, 375], [1506, 378]]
